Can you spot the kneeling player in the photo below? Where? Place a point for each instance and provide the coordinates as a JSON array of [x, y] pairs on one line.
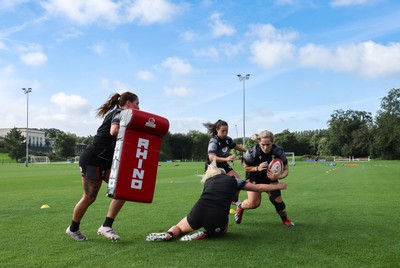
[[211, 211]]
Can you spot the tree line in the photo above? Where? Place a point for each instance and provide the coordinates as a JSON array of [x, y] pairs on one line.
[[348, 133]]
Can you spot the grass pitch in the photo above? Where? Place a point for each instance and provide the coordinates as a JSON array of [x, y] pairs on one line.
[[345, 216]]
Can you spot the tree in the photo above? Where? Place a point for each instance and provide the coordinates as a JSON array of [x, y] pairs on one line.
[[51, 132], [65, 144], [387, 127], [14, 144], [345, 133], [165, 150], [287, 140], [85, 140], [318, 142], [181, 146], [323, 146], [200, 143]]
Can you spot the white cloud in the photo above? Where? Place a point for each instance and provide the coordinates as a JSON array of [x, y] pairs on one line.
[[210, 52], [177, 66], [270, 54], [121, 87], [220, 27], [7, 4], [231, 50], [178, 91], [7, 70], [189, 36], [115, 86], [271, 47], [148, 12], [145, 75], [34, 58], [82, 11], [269, 32], [284, 2], [368, 59], [341, 3], [73, 104], [30, 53], [98, 49], [113, 12], [72, 33]]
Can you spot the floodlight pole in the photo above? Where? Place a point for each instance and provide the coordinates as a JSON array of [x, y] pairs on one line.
[[26, 91], [243, 78]]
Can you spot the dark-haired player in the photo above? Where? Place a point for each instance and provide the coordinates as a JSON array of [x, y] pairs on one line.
[[95, 164], [219, 147]]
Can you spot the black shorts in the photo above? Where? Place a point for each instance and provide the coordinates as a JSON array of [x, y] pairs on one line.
[[95, 161], [214, 221]]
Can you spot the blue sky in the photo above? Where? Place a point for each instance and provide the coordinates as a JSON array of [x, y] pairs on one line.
[[306, 58]]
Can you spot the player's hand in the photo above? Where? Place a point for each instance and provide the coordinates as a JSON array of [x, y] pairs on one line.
[[282, 186], [273, 176], [230, 158], [263, 166]]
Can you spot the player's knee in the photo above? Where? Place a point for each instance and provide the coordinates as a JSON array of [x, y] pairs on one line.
[[279, 206], [89, 199], [253, 204]]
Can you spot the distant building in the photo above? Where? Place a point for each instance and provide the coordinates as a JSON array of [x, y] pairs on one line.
[[35, 137], [37, 140]]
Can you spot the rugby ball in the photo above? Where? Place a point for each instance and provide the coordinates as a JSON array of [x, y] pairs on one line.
[[276, 166]]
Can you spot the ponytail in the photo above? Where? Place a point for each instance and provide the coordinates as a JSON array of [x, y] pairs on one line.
[[116, 100], [213, 127], [108, 105]]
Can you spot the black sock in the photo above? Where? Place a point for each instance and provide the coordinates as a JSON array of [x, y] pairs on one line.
[[108, 222], [171, 233], [74, 226]]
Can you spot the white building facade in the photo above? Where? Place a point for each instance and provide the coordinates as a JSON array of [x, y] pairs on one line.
[[35, 137]]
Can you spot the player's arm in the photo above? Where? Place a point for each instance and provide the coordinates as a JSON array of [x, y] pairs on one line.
[[250, 162], [240, 148], [264, 187], [220, 159], [254, 167], [114, 129], [212, 153]]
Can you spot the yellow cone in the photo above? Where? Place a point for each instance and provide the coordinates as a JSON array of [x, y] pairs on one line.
[[232, 211], [45, 206]]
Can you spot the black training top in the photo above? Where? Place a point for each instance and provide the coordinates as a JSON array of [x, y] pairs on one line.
[[255, 156], [221, 147], [220, 190], [103, 136]]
